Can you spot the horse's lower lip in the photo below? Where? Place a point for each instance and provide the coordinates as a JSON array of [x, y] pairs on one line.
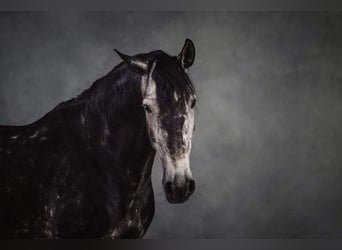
[[177, 202]]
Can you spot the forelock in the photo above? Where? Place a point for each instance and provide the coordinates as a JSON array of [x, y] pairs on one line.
[[171, 80]]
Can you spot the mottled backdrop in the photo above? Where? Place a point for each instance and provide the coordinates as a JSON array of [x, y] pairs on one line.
[[267, 152]]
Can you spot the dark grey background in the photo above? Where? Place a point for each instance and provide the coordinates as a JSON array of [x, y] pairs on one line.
[[266, 152]]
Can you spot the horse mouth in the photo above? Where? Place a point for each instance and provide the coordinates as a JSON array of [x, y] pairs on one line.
[[176, 201], [179, 194]]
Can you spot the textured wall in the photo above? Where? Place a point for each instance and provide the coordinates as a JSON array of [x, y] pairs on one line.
[[267, 149]]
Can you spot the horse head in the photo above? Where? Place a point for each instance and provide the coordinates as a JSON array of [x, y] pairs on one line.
[[168, 100]]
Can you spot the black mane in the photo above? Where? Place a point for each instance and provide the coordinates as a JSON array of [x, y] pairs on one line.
[[112, 91], [109, 94]]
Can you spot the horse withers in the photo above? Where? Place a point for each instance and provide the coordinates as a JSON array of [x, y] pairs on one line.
[[84, 169]]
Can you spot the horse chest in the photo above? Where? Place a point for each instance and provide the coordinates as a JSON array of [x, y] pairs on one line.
[[137, 218]]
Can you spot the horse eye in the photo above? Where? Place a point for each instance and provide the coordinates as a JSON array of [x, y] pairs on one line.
[[193, 103], [147, 108]]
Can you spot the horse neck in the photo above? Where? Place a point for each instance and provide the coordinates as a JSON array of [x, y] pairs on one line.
[[114, 124]]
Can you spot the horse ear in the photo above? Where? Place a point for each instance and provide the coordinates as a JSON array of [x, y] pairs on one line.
[[187, 55], [136, 64]]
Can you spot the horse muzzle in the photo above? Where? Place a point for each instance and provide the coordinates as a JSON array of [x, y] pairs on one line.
[[179, 192]]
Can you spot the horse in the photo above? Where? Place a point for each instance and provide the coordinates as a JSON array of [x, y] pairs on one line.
[[83, 170]]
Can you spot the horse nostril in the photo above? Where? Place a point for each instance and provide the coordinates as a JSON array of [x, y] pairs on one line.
[[168, 187], [191, 186]]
